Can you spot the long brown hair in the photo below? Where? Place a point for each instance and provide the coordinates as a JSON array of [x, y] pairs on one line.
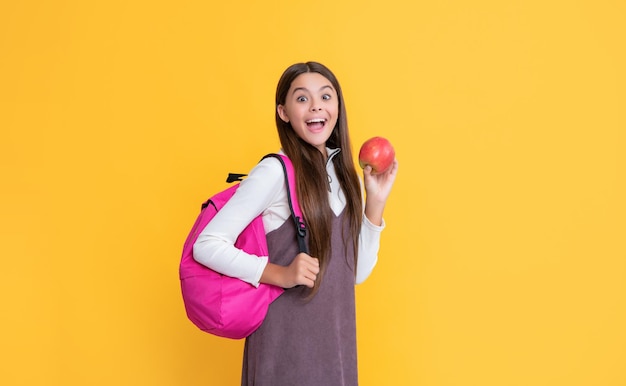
[[311, 177]]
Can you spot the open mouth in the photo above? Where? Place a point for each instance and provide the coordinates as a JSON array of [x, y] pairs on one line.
[[316, 124]]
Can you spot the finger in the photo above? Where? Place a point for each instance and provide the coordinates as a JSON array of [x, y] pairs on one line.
[[315, 269], [306, 281], [394, 167], [314, 266], [310, 278], [311, 281], [311, 264], [367, 172], [307, 272], [306, 257]]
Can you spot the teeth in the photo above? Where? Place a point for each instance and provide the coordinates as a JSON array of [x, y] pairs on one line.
[[316, 120]]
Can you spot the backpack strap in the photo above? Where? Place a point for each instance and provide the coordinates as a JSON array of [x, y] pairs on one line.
[[294, 207]]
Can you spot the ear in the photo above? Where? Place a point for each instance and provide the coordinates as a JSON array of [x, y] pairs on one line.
[[282, 113]]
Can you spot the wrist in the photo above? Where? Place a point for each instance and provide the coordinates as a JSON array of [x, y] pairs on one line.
[[273, 274], [374, 212]]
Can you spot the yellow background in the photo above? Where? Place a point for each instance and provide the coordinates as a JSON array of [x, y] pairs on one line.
[[503, 263]]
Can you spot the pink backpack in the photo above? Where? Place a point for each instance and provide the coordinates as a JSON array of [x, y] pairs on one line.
[[222, 305]]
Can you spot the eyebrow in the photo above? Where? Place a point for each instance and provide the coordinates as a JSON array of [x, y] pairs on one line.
[[307, 90]]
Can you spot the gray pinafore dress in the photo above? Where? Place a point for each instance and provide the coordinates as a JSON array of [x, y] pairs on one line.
[[307, 343]]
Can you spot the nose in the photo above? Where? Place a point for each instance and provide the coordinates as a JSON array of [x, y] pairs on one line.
[[315, 107]]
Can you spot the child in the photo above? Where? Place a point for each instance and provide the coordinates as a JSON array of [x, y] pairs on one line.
[[309, 334]]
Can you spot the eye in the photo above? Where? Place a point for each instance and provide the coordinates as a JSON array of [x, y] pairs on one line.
[[301, 99], [326, 97]]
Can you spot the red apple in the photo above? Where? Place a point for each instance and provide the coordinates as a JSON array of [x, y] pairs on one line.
[[378, 153]]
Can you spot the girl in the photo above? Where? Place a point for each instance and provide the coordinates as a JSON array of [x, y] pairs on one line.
[[309, 334]]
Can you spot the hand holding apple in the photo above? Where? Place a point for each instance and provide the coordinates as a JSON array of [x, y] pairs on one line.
[[378, 153]]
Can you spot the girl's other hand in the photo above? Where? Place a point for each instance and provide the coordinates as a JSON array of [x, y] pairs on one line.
[[378, 186], [377, 189]]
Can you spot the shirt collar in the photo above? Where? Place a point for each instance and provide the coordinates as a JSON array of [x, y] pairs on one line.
[[331, 153]]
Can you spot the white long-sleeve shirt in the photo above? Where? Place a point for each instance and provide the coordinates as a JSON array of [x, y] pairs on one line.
[[264, 192]]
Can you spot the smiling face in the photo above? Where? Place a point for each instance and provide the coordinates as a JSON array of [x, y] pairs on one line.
[[312, 108]]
